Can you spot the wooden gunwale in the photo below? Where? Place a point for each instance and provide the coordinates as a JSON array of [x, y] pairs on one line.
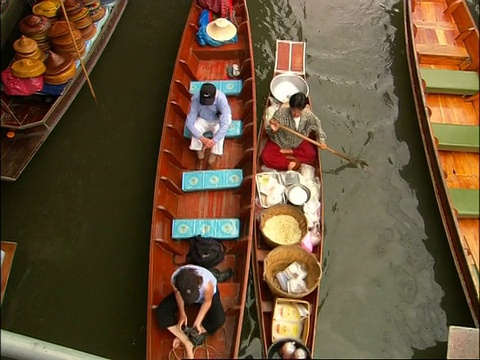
[[454, 27], [9, 249], [196, 63], [264, 298], [19, 151]]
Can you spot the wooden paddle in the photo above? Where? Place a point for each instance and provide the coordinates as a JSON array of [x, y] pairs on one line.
[[356, 162]]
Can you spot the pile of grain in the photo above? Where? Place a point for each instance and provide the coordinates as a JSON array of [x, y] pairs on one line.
[[282, 229]]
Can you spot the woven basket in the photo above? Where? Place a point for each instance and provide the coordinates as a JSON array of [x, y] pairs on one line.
[[283, 209], [280, 258]]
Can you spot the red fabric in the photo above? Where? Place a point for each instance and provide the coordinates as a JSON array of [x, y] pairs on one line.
[[220, 7], [271, 156]]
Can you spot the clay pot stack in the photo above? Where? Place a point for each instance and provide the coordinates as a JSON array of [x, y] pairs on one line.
[[36, 27], [80, 16], [47, 8], [62, 41], [97, 11], [26, 48], [60, 68]]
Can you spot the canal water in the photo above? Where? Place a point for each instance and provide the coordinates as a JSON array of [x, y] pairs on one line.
[[81, 211]]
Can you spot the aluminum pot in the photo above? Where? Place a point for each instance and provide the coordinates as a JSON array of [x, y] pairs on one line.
[[285, 85]]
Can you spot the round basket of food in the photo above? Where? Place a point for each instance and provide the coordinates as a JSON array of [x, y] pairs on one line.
[[281, 258], [283, 225]]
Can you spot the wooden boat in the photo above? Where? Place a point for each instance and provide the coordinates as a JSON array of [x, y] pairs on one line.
[[290, 57], [442, 43], [197, 63], [30, 119], [8, 252]]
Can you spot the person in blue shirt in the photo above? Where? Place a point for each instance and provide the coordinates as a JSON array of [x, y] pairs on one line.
[[209, 112]]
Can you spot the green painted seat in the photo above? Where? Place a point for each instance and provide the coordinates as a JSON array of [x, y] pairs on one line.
[[457, 137], [466, 202], [454, 82]]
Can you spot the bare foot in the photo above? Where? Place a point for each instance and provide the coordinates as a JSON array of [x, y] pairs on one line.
[[291, 165], [189, 350], [176, 343]]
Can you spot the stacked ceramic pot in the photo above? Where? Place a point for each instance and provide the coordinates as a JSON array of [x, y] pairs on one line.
[[80, 16], [60, 68], [47, 8], [97, 11], [36, 27], [26, 48], [62, 41]]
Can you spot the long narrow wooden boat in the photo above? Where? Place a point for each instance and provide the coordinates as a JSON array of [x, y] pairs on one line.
[[30, 119], [202, 64], [8, 252], [290, 57], [443, 44]]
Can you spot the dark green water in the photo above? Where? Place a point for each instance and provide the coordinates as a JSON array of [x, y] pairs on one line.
[[81, 211]]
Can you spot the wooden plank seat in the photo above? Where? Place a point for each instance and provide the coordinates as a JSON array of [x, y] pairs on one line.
[[222, 228], [235, 130], [466, 202], [228, 87], [453, 137], [436, 53], [211, 179], [453, 82]]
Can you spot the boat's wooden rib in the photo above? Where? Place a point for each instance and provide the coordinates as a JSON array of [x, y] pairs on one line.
[[197, 63], [32, 118], [442, 35], [8, 252], [290, 57]]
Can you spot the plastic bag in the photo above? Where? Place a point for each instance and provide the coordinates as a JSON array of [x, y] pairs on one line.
[[13, 85]]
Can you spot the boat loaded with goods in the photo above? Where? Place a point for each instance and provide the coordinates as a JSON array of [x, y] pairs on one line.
[[288, 235], [204, 196], [443, 55], [58, 45]]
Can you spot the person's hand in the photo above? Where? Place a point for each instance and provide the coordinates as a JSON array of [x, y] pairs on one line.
[[274, 125], [323, 145], [208, 143], [199, 327], [182, 319]]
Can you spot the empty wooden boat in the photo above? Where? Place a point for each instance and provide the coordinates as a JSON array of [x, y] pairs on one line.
[[290, 58], [443, 44], [178, 201], [26, 121]]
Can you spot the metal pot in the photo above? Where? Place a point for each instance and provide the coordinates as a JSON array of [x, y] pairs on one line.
[[285, 85]]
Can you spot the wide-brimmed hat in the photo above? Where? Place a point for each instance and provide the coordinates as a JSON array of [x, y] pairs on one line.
[[221, 30], [25, 45], [46, 8], [57, 63], [28, 68]]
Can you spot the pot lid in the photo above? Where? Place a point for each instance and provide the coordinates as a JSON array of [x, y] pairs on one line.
[[25, 45]]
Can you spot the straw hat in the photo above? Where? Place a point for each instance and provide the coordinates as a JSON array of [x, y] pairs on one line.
[[221, 30], [46, 8], [57, 63], [28, 68]]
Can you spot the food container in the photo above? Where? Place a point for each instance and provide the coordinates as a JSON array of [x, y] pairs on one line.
[[298, 194], [283, 86], [290, 178], [291, 319], [274, 351], [262, 180], [282, 209]]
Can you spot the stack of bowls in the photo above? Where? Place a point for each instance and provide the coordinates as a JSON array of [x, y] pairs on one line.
[[60, 68], [36, 27], [48, 9], [26, 48], [80, 16], [62, 41], [97, 11]]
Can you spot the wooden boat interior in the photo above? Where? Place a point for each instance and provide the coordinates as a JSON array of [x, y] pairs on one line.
[[290, 57], [446, 43], [204, 63], [8, 252]]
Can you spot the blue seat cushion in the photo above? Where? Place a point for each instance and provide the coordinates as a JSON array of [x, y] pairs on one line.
[[222, 228], [211, 179], [228, 87]]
